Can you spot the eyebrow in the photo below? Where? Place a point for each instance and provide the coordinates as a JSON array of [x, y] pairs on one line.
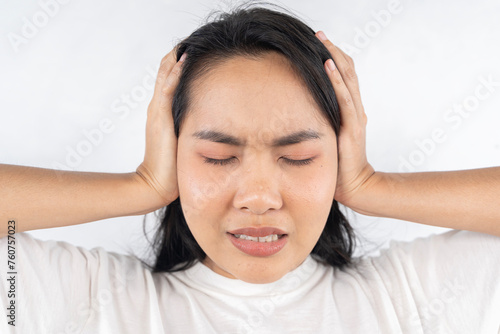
[[290, 139]]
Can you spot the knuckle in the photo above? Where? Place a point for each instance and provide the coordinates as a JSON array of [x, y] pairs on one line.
[[162, 74], [176, 70], [364, 119], [358, 132], [337, 78], [350, 61], [159, 80], [350, 73], [356, 95], [170, 81], [164, 61], [166, 89], [347, 101]]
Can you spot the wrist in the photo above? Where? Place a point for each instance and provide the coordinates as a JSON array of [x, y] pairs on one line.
[[148, 198], [363, 198]]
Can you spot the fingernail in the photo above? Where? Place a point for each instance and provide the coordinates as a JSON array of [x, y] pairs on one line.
[[184, 55], [330, 64], [322, 36]]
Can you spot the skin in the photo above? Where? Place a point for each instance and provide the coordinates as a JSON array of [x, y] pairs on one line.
[[255, 101]]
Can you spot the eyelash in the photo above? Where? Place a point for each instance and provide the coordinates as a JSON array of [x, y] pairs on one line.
[[228, 161]]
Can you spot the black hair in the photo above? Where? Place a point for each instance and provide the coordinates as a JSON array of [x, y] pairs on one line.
[[251, 31]]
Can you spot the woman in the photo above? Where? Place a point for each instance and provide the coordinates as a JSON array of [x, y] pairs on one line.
[[253, 136]]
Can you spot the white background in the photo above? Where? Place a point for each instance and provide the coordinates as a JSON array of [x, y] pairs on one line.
[[416, 61]]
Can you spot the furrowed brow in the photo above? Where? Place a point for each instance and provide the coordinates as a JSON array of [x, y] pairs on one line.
[[296, 137], [290, 139], [218, 137]]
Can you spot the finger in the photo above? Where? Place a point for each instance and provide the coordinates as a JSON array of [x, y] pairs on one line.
[[170, 83], [345, 65], [166, 65], [346, 56], [357, 94], [348, 114]]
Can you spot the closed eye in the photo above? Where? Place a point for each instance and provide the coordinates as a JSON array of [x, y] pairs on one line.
[[222, 162], [298, 162]]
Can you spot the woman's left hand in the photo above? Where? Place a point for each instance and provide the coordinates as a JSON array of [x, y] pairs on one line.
[[353, 170], [462, 200]]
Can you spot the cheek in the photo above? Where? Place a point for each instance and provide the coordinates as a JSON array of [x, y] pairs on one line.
[[194, 202], [315, 185], [199, 188], [310, 200]]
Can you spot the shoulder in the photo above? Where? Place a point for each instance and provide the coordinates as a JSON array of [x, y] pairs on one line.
[[439, 275], [455, 253], [60, 261], [77, 286], [430, 283], [441, 251]]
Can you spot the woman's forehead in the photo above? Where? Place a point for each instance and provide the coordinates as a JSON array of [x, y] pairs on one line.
[[254, 91]]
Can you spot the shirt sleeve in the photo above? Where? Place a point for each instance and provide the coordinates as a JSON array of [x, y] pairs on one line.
[[60, 288], [454, 279]]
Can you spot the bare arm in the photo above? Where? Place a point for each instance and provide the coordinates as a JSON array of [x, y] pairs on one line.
[[464, 200], [42, 198]]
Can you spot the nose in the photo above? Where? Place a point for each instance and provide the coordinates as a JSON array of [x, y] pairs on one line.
[[258, 191]]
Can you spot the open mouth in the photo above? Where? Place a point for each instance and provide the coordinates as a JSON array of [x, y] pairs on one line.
[[259, 246], [268, 238]]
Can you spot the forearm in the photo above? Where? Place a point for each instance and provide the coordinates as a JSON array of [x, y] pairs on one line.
[[464, 200], [42, 198]]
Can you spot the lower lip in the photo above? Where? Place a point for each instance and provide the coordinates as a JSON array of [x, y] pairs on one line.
[[256, 248]]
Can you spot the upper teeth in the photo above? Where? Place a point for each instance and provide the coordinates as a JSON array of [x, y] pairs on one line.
[[267, 238]]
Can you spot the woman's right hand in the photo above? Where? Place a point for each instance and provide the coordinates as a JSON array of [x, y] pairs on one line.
[[159, 168], [39, 198]]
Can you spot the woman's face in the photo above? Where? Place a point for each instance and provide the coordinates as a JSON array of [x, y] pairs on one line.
[[243, 111]]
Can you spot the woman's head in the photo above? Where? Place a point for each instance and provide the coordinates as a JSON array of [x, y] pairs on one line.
[[256, 119]]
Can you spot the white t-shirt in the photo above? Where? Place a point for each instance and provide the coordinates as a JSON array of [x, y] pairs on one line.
[[445, 283]]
